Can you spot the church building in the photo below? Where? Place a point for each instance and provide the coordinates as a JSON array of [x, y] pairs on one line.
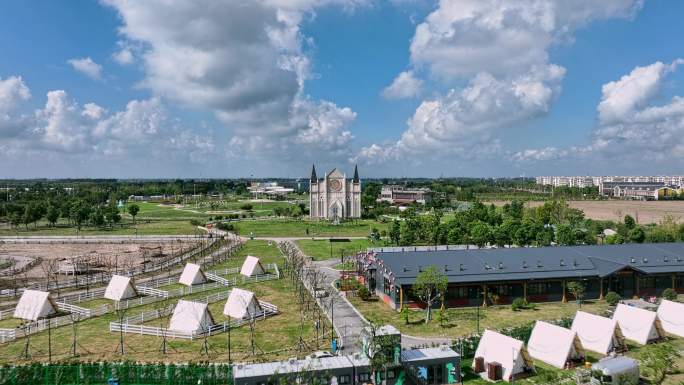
[[334, 197]]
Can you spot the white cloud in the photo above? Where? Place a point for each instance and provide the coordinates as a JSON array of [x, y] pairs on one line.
[[405, 85], [500, 48], [123, 56], [622, 97], [631, 127], [244, 61], [87, 67], [63, 129]]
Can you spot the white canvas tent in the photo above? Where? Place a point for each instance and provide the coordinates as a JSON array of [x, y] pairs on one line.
[[252, 266], [34, 304], [671, 316], [638, 325], [189, 316], [553, 344], [597, 334], [241, 304], [192, 275], [120, 288], [507, 351]]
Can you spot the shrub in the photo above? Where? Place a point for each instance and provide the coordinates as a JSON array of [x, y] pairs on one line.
[[613, 298], [518, 304], [225, 226], [247, 207], [670, 294], [363, 293]]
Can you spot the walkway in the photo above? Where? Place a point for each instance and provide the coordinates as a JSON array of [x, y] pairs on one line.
[[347, 320]]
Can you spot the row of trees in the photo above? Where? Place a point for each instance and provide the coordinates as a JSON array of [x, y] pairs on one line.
[[554, 222], [76, 212]]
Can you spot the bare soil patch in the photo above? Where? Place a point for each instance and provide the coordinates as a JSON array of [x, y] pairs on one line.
[[97, 255], [644, 212]]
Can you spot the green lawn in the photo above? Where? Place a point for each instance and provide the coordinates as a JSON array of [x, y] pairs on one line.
[[158, 211], [463, 321], [278, 334], [298, 228], [257, 248], [152, 227], [321, 249]]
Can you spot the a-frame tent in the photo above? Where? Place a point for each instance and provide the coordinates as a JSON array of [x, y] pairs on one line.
[[554, 345], [638, 325], [671, 316], [242, 304], [597, 334], [505, 350], [34, 305], [120, 287], [252, 266], [192, 275], [190, 316]]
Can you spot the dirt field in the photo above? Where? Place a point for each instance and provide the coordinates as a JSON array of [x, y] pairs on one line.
[[643, 211], [98, 255]]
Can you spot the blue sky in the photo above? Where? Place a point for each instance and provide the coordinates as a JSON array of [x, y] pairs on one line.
[[403, 88]]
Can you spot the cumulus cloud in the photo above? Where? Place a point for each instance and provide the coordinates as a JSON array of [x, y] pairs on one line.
[[631, 125], [405, 85], [63, 126], [500, 49], [244, 61], [87, 67]]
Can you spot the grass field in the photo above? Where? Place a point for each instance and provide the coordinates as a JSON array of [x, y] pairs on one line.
[[278, 334], [156, 227], [321, 249], [298, 228], [463, 321]]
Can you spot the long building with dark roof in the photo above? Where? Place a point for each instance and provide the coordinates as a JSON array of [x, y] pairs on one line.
[[537, 274]]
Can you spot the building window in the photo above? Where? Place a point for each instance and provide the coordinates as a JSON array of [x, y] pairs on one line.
[[364, 377]]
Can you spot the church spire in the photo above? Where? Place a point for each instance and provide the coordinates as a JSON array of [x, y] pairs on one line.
[[314, 178], [356, 174]]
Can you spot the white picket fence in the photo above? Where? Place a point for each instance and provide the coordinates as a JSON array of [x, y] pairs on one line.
[[81, 297], [217, 279], [44, 324], [81, 311], [151, 291], [7, 313], [134, 325]]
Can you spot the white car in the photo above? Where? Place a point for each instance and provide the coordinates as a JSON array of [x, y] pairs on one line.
[[321, 354]]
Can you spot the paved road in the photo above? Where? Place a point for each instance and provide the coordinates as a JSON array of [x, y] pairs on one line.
[[347, 321]]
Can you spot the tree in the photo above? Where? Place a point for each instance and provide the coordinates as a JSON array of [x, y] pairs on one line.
[[395, 232], [52, 215], [637, 235], [79, 213], [657, 361], [112, 215], [430, 285], [613, 298], [133, 210], [670, 294], [565, 235], [630, 223], [577, 289], [481, 234]]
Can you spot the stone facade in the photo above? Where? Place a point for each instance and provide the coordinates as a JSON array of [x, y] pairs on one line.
[[335, 197]]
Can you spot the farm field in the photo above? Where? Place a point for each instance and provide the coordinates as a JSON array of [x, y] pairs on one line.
[[298, 228], [644, 212], [321, 249], [276, 336]]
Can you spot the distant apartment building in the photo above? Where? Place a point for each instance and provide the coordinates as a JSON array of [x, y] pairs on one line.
[[401, 194], [566, 181], [588, 181]]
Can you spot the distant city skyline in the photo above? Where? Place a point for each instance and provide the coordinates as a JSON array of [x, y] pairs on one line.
[[403, 88]]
